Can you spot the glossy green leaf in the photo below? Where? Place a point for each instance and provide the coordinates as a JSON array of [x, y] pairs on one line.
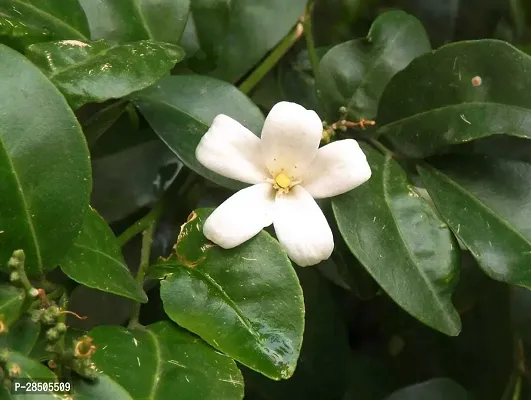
[[21, 336], [103, 387], [11, 299], [132, 20], [246, 302], [92, 72], [29, 368], [181, 108], [322, 369], [456, 94], [486, 203], [101, 121], [434, 389], [64, 19], [164, 361], [236, 34], [45, 177], [18, 35], [95, 260], [402, 243], [354, 74]]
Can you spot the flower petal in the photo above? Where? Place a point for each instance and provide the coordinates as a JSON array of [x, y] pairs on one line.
[[230, 149], [290, 138], [337, 168], [241, 216], [301, 227]]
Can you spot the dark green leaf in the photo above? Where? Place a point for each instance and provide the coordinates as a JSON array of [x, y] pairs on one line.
[[435, 389], [321, 370], [103, 387], [486, 203], [99, 308], [402, 243], [246, 302], [354, 74], [11, 299], [64, 19], [95, 260], [181, 108], [133, 178], [18, 35], [461, 92], [101, 121], [132, 20], [88, 72], [164, 361], [21, 336], [45, 176], [235, 35]]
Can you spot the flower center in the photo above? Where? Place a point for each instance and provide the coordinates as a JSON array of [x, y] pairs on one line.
[[283, 181]]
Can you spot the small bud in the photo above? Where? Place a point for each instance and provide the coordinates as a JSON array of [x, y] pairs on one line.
[[50, 348], [16, 259], [14, 277], [60, 327], [343, 110], [50, 315], [343, 128], [325, 124], [4, 356], [13, 370], [36, 315], [33, 292], [52, 335]]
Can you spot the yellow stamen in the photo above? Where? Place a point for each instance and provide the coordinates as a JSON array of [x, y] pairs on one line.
[[282, 180]]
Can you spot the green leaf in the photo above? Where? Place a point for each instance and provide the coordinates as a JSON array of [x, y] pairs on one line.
[[45, 177], [29, 368], [456, 94], [102, 120], [402, 243], [246, 302], [103, 387], [181, 108], [354, 74], [92, 72], [236, 34], [132, 178], [21, 336], [64, 19], [18, 35], [322, 367], [95, 260], [11, 299], [434, 389], [132, 20], [164, 360], [486, 203]]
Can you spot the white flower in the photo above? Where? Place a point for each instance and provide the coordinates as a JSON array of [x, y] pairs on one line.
[[287, 170]]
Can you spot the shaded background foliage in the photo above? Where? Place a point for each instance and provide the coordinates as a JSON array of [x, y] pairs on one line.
[[425, 296]]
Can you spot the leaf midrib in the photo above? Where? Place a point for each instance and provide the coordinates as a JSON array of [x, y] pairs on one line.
[[450, 107], [158, 367], [53, 18], [482, 205], [241, 316], [429, 284], [11, 300], [22, 199]]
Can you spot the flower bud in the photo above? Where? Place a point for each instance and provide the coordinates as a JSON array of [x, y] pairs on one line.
[[14, 277]]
